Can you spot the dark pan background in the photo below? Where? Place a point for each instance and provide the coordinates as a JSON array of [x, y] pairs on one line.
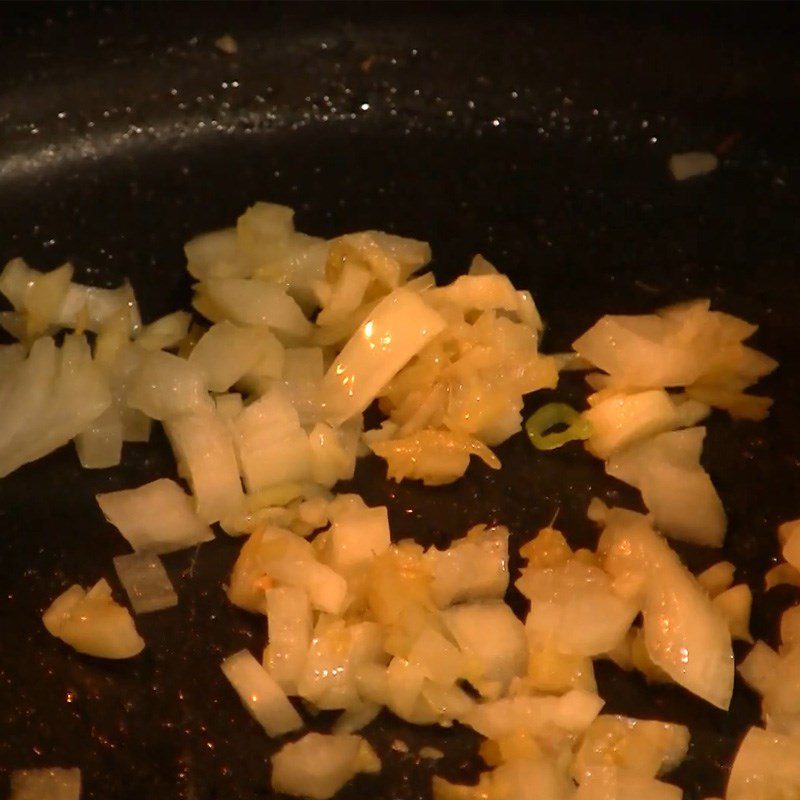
[[536, 135]]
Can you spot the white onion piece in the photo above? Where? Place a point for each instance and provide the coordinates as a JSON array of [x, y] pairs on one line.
[[48, 399], [91, 307], [493, 640], [674, 486], [487, 292], [303, 369], [735, 604], [99, 446], [255, 302], [340, 300], [356, 717], [158, 517], [318, 765], [574, 608], [289, 626], [691, 165], [214, 255], [326, 589], [760, 668], [766, 766], [227, 352], [529, 779], [166, 332], [646, 747], [92, 623], [396, 330], [623, 419], [145, 581], [337, 650], [612, 783], [684, 634], [261, 695], [272, 447], [204, 450], [334, 451], [717, 578], [164, 385], [472, 568], [574, 712], [357, 537], [48, 783]]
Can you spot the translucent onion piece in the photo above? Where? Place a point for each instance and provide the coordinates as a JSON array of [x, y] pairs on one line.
[[611, 783], [289, 621], [165, 385], [646, 747], [49, 783], [145, 581], [204, 450], [493, 640], [396, 330], [318, 765], [92, 623], [47, 399], [766, 766], [165, 333], [261, 695], [158, 517], [675, 487], [684, 634]]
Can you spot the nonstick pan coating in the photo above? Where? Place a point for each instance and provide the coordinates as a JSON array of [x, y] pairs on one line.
[[536, 135]]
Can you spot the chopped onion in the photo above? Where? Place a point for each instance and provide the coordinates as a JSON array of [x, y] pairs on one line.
[[261, 695], [92, 623], [684, 634], [166, 332], [318, 765], [48, 399], [255, 302], [397, 329], [228, 352], [472, 568], [289, 621], [674, 486], [493, 640], [357, 537], [646, 747], [574, 608], [146, 582], [157, 517], [434, 457], [612, 783], [734, 604], [48, 783], [620, 420], [272, 447], [204, 449], [717, 578], [165, 385], [767, 765]]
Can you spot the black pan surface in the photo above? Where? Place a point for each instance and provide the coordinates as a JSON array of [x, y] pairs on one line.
[[536, 135]]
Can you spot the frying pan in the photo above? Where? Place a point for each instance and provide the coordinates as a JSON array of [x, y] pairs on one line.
[[536, 135]]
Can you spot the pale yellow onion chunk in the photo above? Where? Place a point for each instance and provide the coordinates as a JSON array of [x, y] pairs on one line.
[[261, 695], [434, 457], [684, 634], [397, 329], [92, 623], [318, 765], [766, 766], [158, 517]]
